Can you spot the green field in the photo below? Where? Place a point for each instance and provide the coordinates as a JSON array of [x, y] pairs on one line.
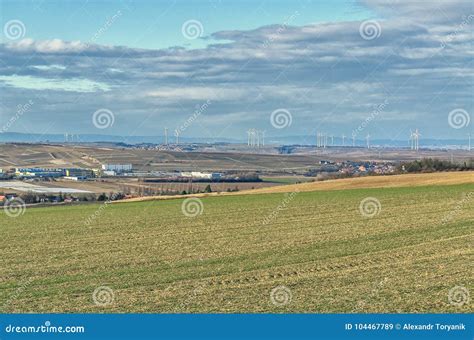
[[329, 257]]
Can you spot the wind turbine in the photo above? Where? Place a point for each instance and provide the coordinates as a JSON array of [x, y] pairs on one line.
[[368, 141], [177, 136], [343, 140], [469, 144], [416, 137]]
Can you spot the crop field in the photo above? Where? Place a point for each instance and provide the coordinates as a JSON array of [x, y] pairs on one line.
[[404, 180], [363, 250]]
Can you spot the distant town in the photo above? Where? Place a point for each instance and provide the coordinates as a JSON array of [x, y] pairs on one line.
[[108, 171]]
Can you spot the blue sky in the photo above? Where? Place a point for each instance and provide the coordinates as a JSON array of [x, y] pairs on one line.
[[215, 69], [157, 24]]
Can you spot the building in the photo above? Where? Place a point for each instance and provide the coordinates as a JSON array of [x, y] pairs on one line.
[[118, 168], [213, 176], [109, 172], [38, 172], [79, 173]]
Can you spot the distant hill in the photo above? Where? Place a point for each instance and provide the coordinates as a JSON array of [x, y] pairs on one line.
[[301, 140]]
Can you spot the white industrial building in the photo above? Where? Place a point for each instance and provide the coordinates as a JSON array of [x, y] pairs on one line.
[[117, 168], [202, 175]]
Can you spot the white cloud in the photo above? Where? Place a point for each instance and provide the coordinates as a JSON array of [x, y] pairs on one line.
[[69, 85]]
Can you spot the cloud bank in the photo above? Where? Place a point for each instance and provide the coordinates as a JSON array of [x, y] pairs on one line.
[[330, 76]]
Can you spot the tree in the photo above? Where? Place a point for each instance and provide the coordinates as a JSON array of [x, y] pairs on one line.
[[102, 197], [208, 188]]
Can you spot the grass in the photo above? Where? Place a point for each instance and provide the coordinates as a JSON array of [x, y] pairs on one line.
[[228, 259]]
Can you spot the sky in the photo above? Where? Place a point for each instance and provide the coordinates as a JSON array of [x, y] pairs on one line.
[[217, 68]]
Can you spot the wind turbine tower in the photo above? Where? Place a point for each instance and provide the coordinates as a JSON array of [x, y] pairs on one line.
[[416, 139], [177, 136]]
